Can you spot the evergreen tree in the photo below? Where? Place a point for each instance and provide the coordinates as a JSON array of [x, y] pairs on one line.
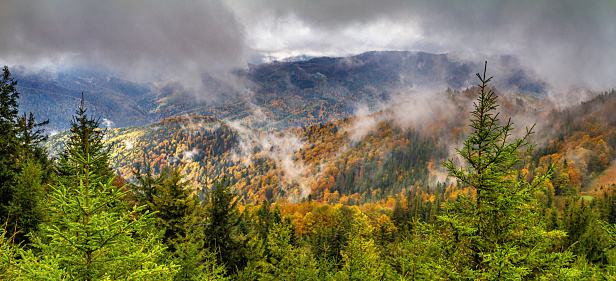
[[24, 167], [147, 186], [497, 233], [175, 205], [8, 139], [412, 258], [222, 220], [288, 262], [8, 255], [89, 234], [264, 220], [30, 136], [360, 257], [180, 216], [85, 139], [26, 206]]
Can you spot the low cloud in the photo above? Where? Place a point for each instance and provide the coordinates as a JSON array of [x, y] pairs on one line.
[[194, 127], [136, 38], [128, 144], [280, 147], [569, 43], [107, 123], [188, 155]]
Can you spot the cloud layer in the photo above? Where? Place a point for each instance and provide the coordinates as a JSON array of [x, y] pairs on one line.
[[569, 43], [144, 39]]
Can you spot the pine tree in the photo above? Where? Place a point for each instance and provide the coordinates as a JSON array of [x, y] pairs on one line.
[[89, 234], [8, 139], [497, 233]]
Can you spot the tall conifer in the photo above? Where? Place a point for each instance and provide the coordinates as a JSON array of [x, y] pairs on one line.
[[89, 234], [24, 167], [496, 234], [221, 228]]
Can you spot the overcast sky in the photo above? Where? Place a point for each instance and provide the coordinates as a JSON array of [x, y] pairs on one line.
[[569, 43]]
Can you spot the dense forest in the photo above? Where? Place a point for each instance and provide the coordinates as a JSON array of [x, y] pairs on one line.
[[508, 211]]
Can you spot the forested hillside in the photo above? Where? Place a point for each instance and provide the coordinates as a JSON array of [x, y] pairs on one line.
[[213, 199], [366, 158], [317, 196], [260, 166], [273, 95]]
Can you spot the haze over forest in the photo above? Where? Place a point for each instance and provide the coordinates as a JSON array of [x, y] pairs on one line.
[[329, 140]]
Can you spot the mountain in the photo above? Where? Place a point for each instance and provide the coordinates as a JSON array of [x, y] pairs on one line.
[[54, 96], [370, 157], [278, 95], [322, 161]]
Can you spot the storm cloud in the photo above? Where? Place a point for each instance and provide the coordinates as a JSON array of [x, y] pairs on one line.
[[138, 38], [568, 43]]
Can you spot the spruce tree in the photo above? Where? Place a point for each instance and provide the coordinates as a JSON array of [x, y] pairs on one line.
[[86, 138], [180, 217], [147, 186], [24, 166], [497, 233], [221, 228], [170, 197], [360, 257], [288, 262], [8, 255], [89, 234], [8, 138]]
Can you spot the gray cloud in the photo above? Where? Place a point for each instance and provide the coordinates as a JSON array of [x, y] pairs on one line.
[[139, 38], [570, 43]]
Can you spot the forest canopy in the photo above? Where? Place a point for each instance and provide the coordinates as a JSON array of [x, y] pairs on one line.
[[72, 217]]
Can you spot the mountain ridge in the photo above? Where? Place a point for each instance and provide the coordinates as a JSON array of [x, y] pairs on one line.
[[288, 94]]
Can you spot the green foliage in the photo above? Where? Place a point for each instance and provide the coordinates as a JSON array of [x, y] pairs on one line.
[[285, 261], [24, 167], [496, 234], [330, 231], [180, 216], [361, 259], [177, 208], [8, 255], [85, 139], [501, 222], [26, 207], [89, 234], [412, 258], [288, 261], [8, 120], [194, 261], [221, 227]]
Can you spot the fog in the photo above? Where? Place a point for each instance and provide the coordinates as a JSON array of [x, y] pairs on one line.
[[568, 43]]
